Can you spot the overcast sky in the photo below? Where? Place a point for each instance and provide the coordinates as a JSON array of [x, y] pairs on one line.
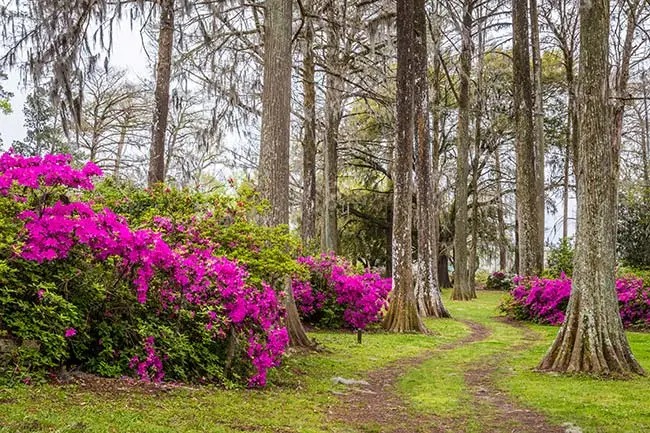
[[127, 54]]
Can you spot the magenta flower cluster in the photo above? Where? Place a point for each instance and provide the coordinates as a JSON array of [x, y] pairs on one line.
[[149, 369], [363, 297], [37, 171], [184, 275], [545, 300]]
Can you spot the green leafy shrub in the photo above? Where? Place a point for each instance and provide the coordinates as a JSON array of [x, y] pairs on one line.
[[633, 234], [80, 286], [560, 260], [498, 281]]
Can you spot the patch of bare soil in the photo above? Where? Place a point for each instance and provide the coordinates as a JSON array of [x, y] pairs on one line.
[[378, 407], [495, 410], [109, 386]]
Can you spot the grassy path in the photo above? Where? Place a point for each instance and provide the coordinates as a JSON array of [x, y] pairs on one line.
[[474, 374]]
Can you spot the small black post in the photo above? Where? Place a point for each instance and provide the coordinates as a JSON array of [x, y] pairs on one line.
[[359, 334]]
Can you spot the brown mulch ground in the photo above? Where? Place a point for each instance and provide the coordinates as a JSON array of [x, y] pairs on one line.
[[379, 407], [109, 386]]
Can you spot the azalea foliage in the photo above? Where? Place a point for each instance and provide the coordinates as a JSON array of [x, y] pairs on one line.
[[175, 279]]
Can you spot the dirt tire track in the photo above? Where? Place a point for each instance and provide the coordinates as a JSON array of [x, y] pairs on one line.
[[379, 405], [503, 413]]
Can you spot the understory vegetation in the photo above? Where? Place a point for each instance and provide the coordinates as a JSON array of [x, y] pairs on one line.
[[159, 284], [301, 391]]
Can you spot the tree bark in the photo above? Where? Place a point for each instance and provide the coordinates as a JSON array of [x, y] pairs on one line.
[[333, 106], [161, 94], [428, 296], [402, 315], [592, 339], [308, 226], [119, 151], [572, 135], [539, 124], [276, 109], [503, 240], [478, 114], [462, 290], [623, 74], [443, 271], [274, 149], [530, 256], [646, 133]]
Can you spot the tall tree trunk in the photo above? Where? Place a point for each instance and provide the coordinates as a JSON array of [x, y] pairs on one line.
[[333, 106], [565, 187], [478, 111], [592, 339], [443, 270], [530, 256], [276, 109], [539, 124], [623, 74], [308, 227], [402, 315], [572, 136], [503, 240], [462, 290], [646, 134], [161, 95], [274, 149], [428, 296], [119, 152], [473, 252], [435, 145]]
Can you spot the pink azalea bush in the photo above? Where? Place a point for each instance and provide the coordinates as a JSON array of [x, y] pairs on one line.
[[337, 296], [545, 301], [183, 286]]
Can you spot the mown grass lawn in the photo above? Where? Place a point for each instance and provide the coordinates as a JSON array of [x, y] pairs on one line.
[[302, 391]]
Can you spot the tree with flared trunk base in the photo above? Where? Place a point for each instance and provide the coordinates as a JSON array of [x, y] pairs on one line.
[[531, 253], [402, 315], [592, 339], [462, 288], [427, 291], [273, 168]]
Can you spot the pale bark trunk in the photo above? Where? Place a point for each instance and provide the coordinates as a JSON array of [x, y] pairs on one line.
[[565, 189], [308, 227], [592, 339], [473, 253], [503, 240], [402, 315], [530, 256], [274, 149], [428, 296], [120, 151], [333, 106], [572, 136], [623, 75], [539, 124], [462, 290], [161, 95], [644, 151]]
